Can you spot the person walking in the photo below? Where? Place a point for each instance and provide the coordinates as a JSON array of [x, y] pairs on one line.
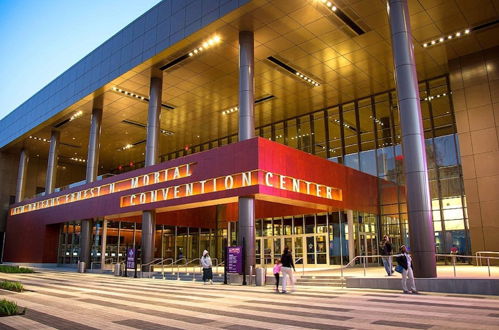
[[386, 252], [206, 264], [277, 270], [287, 269], [404, 261]]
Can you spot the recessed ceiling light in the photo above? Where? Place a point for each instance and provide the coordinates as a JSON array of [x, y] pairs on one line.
[[131, 145], [296, 73], [459, 34], [141, 125], [343, 17], [139, 97], [257, 101], [77, 159], [77, 114], [39, 139], [198, 50]]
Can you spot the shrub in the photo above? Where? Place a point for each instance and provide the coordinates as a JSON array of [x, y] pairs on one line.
[[15, 269], [12, 286], [8, 307]]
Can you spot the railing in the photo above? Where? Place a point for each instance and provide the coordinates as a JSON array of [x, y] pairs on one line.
[[163, 266], [100, 263], [364, 260], [156, 262], [193, 268], [296, 263], [149, 264], [217, 266], [479, 257], [177, 263]]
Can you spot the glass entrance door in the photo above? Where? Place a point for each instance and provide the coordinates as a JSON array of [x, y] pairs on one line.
[[264, 251], [168, 243], [298, 249], [306, 249], [310, 260], [367, 244], [268, 251], [321, 249], [317, 251]]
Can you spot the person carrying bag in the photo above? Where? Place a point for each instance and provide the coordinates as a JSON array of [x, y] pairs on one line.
[[404, 266]]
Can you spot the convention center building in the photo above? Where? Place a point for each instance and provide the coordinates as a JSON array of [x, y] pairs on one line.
[[317, 125]]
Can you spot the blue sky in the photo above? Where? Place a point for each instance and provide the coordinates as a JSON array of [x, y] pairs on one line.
[[40, 39]]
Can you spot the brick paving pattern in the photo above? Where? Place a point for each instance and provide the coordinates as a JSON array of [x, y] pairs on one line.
[[65, 300]]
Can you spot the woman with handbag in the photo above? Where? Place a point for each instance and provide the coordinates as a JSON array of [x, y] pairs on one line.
[[404, 266]]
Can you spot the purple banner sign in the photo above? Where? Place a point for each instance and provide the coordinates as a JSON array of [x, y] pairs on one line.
[[235, 259], [130, 258]]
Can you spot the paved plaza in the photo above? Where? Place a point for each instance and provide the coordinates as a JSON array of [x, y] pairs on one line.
[[66, 300]]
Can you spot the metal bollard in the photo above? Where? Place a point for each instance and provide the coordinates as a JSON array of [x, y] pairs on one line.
[[488, 265], [454, 265], [260, 276], [81, 267], [364, 266], [117, 270]]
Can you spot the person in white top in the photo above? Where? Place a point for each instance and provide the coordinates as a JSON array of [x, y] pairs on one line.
[[405, 261], [206, 264]]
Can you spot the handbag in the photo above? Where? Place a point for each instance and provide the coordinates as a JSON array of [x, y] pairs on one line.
[[399, 269]]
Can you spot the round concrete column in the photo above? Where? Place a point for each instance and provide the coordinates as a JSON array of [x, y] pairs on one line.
[[422, 237], [247, 230], [52, 162], [153, 121], [86, 228], [246, 86], [91, 176], [247, 131], [21, 175], [94, 145], [152, 152]]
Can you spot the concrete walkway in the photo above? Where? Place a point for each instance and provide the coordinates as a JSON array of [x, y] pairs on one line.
[[68, 300]]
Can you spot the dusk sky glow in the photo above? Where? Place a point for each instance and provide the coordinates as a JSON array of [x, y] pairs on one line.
[[42, 39]]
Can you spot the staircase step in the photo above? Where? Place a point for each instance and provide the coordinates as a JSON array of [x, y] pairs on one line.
[[320, 277], [321, 284]]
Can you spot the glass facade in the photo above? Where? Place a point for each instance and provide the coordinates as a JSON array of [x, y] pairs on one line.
[[363, 134], [171, 242], [316, 239]]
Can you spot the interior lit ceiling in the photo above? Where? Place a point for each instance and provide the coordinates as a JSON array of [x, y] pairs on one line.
[[304, 34]]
